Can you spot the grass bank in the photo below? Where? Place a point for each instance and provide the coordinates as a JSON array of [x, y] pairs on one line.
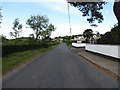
[[14, 60]]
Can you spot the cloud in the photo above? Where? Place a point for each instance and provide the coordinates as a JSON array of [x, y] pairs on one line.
[[61, 7], [57, 7]]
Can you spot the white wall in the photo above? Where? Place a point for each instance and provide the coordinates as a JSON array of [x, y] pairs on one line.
[[109, 50], [78, 44]]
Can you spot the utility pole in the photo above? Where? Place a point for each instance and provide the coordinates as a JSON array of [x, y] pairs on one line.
[[69, 21]]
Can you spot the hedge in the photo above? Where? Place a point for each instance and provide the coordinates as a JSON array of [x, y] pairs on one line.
[[8, 49]]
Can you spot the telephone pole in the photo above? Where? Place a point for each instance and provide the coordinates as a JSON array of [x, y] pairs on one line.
[[69, 21]]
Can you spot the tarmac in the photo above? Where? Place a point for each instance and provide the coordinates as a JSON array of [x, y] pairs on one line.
[[108, 64]]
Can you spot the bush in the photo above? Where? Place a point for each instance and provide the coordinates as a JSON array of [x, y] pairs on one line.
[[112, 37], [8, 49], [115, 33], [74, 41], [68, 42]]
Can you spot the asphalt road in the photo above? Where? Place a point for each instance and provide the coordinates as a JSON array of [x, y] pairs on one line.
[[60, 68]]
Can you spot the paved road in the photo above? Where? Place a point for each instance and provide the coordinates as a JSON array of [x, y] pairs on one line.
[[60, 68]]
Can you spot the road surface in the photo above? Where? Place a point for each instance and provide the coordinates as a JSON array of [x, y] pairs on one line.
[[60, 68]]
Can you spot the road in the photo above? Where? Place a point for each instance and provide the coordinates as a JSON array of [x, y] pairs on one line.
[[60, 68]]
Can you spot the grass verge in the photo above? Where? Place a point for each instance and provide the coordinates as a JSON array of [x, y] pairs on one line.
[[16, 59]]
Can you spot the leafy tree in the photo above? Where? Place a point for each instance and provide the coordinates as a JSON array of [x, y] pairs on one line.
[[97, 33], [17, 28], [115, 34], [46, 34], [106, 39], [3, 38], [88, 33], [31, 35], [40, 25], [112, 37], [0, 14], [92, 10]]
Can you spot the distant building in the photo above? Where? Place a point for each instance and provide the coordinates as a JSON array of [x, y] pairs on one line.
[[94, 39], [78, 37], [58, 39]]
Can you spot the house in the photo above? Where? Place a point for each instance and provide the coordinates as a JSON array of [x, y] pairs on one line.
[[94, 39], [78, 37]]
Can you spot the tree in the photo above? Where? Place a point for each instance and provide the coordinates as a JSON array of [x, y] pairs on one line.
[[115, 34], [112, 37], [17, 28], [3, 38], [87, 34], [40, 25], [97, 33], [92, 9], [1, 15], [46, 34], [116, 9], [106, 39], [31, 35]]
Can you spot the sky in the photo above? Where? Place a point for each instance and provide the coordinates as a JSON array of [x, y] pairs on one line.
[[57, 12]]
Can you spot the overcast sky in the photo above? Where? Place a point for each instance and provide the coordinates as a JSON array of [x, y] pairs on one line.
[[56, 11]]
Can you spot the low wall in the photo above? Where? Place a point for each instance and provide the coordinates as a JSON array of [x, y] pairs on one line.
[[78, 45], [109, 50]]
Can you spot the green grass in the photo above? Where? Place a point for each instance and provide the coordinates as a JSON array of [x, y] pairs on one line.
[[16, 59], [0, 66]]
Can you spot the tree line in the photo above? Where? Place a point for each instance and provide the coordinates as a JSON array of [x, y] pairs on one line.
[[40, 25], [39, 39], [111, 37]]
